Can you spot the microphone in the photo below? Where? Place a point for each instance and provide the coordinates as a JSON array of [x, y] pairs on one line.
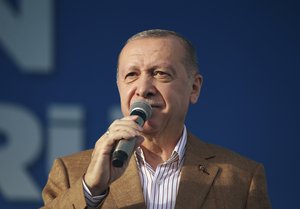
[[125, 148]]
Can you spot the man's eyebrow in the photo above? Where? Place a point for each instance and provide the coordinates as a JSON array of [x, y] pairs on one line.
[[130, 68]]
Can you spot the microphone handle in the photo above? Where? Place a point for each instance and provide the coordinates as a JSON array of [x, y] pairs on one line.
[[123, 150]]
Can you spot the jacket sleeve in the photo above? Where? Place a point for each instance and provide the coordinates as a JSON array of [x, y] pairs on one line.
[[59, 193], [257, 194]]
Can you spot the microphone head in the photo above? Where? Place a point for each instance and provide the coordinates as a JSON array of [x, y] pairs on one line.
[[141, 108]]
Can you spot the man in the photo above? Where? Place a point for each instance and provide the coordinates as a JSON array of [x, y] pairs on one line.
[[170, 167]]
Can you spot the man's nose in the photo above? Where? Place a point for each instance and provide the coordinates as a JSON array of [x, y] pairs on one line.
[[145, 87]]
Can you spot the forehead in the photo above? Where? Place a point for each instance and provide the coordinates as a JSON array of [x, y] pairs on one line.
[[166, 48]]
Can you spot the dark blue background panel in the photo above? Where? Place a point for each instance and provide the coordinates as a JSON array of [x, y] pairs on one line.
[[58, 89]]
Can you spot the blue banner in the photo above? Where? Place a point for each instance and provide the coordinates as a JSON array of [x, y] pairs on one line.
[[58, 90]]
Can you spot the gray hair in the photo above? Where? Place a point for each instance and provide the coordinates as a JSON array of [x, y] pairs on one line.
[[190, 60]]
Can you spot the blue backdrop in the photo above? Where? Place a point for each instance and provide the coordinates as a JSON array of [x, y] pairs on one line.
[[58, 91]]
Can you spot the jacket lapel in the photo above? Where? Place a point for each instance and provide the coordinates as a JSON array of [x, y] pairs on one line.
[[127, 191], [197, 178], [197, 175]]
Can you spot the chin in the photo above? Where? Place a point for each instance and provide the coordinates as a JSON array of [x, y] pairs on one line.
[[150, 128]]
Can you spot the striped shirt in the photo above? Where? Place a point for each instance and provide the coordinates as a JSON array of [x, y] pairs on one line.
[[160, 187]]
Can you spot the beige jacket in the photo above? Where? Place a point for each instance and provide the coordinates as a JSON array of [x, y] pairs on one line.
[[211, 178]]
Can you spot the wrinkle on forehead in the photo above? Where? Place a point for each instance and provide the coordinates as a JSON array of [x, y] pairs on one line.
[[156, 54]]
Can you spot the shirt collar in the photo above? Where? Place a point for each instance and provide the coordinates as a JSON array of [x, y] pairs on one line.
[[179, 149], [180, 146]]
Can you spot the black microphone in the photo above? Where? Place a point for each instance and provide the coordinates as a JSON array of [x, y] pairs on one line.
[[125, 148]]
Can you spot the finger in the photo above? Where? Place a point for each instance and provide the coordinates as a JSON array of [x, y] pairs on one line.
[[123, 135], [109, 140], [130, 117], [125, 120], [124, 125], [128, 128], [139, 141]]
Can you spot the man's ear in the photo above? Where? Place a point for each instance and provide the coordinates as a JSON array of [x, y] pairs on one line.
[[196, 88]]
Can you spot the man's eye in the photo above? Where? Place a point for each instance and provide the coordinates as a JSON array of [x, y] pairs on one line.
[[161, 74], [131, 74]]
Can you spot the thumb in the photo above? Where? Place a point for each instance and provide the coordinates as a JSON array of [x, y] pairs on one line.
[[139, 141]]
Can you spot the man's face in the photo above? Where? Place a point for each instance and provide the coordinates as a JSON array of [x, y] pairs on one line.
[[152, 69]]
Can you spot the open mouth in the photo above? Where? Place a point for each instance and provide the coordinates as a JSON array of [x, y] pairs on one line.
[[156, 105]]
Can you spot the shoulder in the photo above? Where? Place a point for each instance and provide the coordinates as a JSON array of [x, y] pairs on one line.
[[72, 166], [78, 159], [221, 156], [82, 155]]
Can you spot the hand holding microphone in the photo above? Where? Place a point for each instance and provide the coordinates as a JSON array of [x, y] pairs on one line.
[[125, 148], [113, 150]]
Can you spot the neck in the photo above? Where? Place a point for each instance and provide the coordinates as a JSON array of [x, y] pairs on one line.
[[159, 149]]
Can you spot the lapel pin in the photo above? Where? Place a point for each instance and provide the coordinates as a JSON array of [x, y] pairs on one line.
[[203, 169], [211, 157]]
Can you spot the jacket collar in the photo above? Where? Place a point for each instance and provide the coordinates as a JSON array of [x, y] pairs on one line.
[[197, 175]]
